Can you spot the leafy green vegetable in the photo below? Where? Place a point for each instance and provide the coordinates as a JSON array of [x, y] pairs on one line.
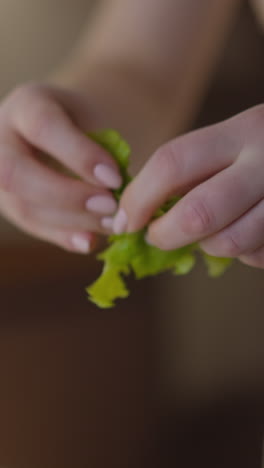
[[129, 253], [216, 266]]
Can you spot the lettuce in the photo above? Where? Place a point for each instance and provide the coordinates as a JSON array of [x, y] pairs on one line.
[[129, 253]]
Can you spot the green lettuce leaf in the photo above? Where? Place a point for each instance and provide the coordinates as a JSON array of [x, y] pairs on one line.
[[130, 253], [109, 286], [216, 266]]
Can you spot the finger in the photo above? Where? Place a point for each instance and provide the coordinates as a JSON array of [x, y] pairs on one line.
[[73, 240], [25, 177], [244, 235], [62, 219], [49, 128], [255, 259], [21, 212], [175, 168], [210, 207]]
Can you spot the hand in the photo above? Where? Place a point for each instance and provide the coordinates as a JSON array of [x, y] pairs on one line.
[[219, 172], [40, 199]]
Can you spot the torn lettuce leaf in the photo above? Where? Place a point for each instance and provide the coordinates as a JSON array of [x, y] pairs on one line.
[[130, 253], [216, 266]]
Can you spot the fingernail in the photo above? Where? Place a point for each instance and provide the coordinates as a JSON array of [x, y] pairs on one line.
[[108, 176], [80, 243], [107, 222], [120, 222], [101, 204]]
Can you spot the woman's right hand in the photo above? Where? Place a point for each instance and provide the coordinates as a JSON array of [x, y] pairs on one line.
[[38, 119]]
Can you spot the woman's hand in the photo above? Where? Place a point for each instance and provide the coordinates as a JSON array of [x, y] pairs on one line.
[[219, 172], [37, 120]]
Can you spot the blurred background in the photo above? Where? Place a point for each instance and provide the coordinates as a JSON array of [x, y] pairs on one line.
[[171, 377]]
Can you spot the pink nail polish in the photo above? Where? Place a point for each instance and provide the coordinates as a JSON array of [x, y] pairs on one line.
[[107, 176], [120, 222], [80, 243], [101, 204]]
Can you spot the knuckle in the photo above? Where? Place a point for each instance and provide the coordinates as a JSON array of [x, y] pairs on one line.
[[167, 162], [222, 245], [33, 98], [20, 91], [8, 168], [231, 246], [22, 100], [26, 90], [197, 218], [41, 120]]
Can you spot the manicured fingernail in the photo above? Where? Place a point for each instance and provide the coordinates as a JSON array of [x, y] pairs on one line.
[[108, 176], [120, 222], [101, 204], [80, 243], [107, 222]]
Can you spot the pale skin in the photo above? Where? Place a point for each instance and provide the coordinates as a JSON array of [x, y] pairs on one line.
[[158, 71], [219, 171]]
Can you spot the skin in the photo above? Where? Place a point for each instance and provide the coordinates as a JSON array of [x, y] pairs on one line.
[[159, 71], [219, 172], [41, 200]]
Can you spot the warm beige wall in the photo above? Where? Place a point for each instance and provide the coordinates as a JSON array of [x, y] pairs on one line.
[[34, 35]]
